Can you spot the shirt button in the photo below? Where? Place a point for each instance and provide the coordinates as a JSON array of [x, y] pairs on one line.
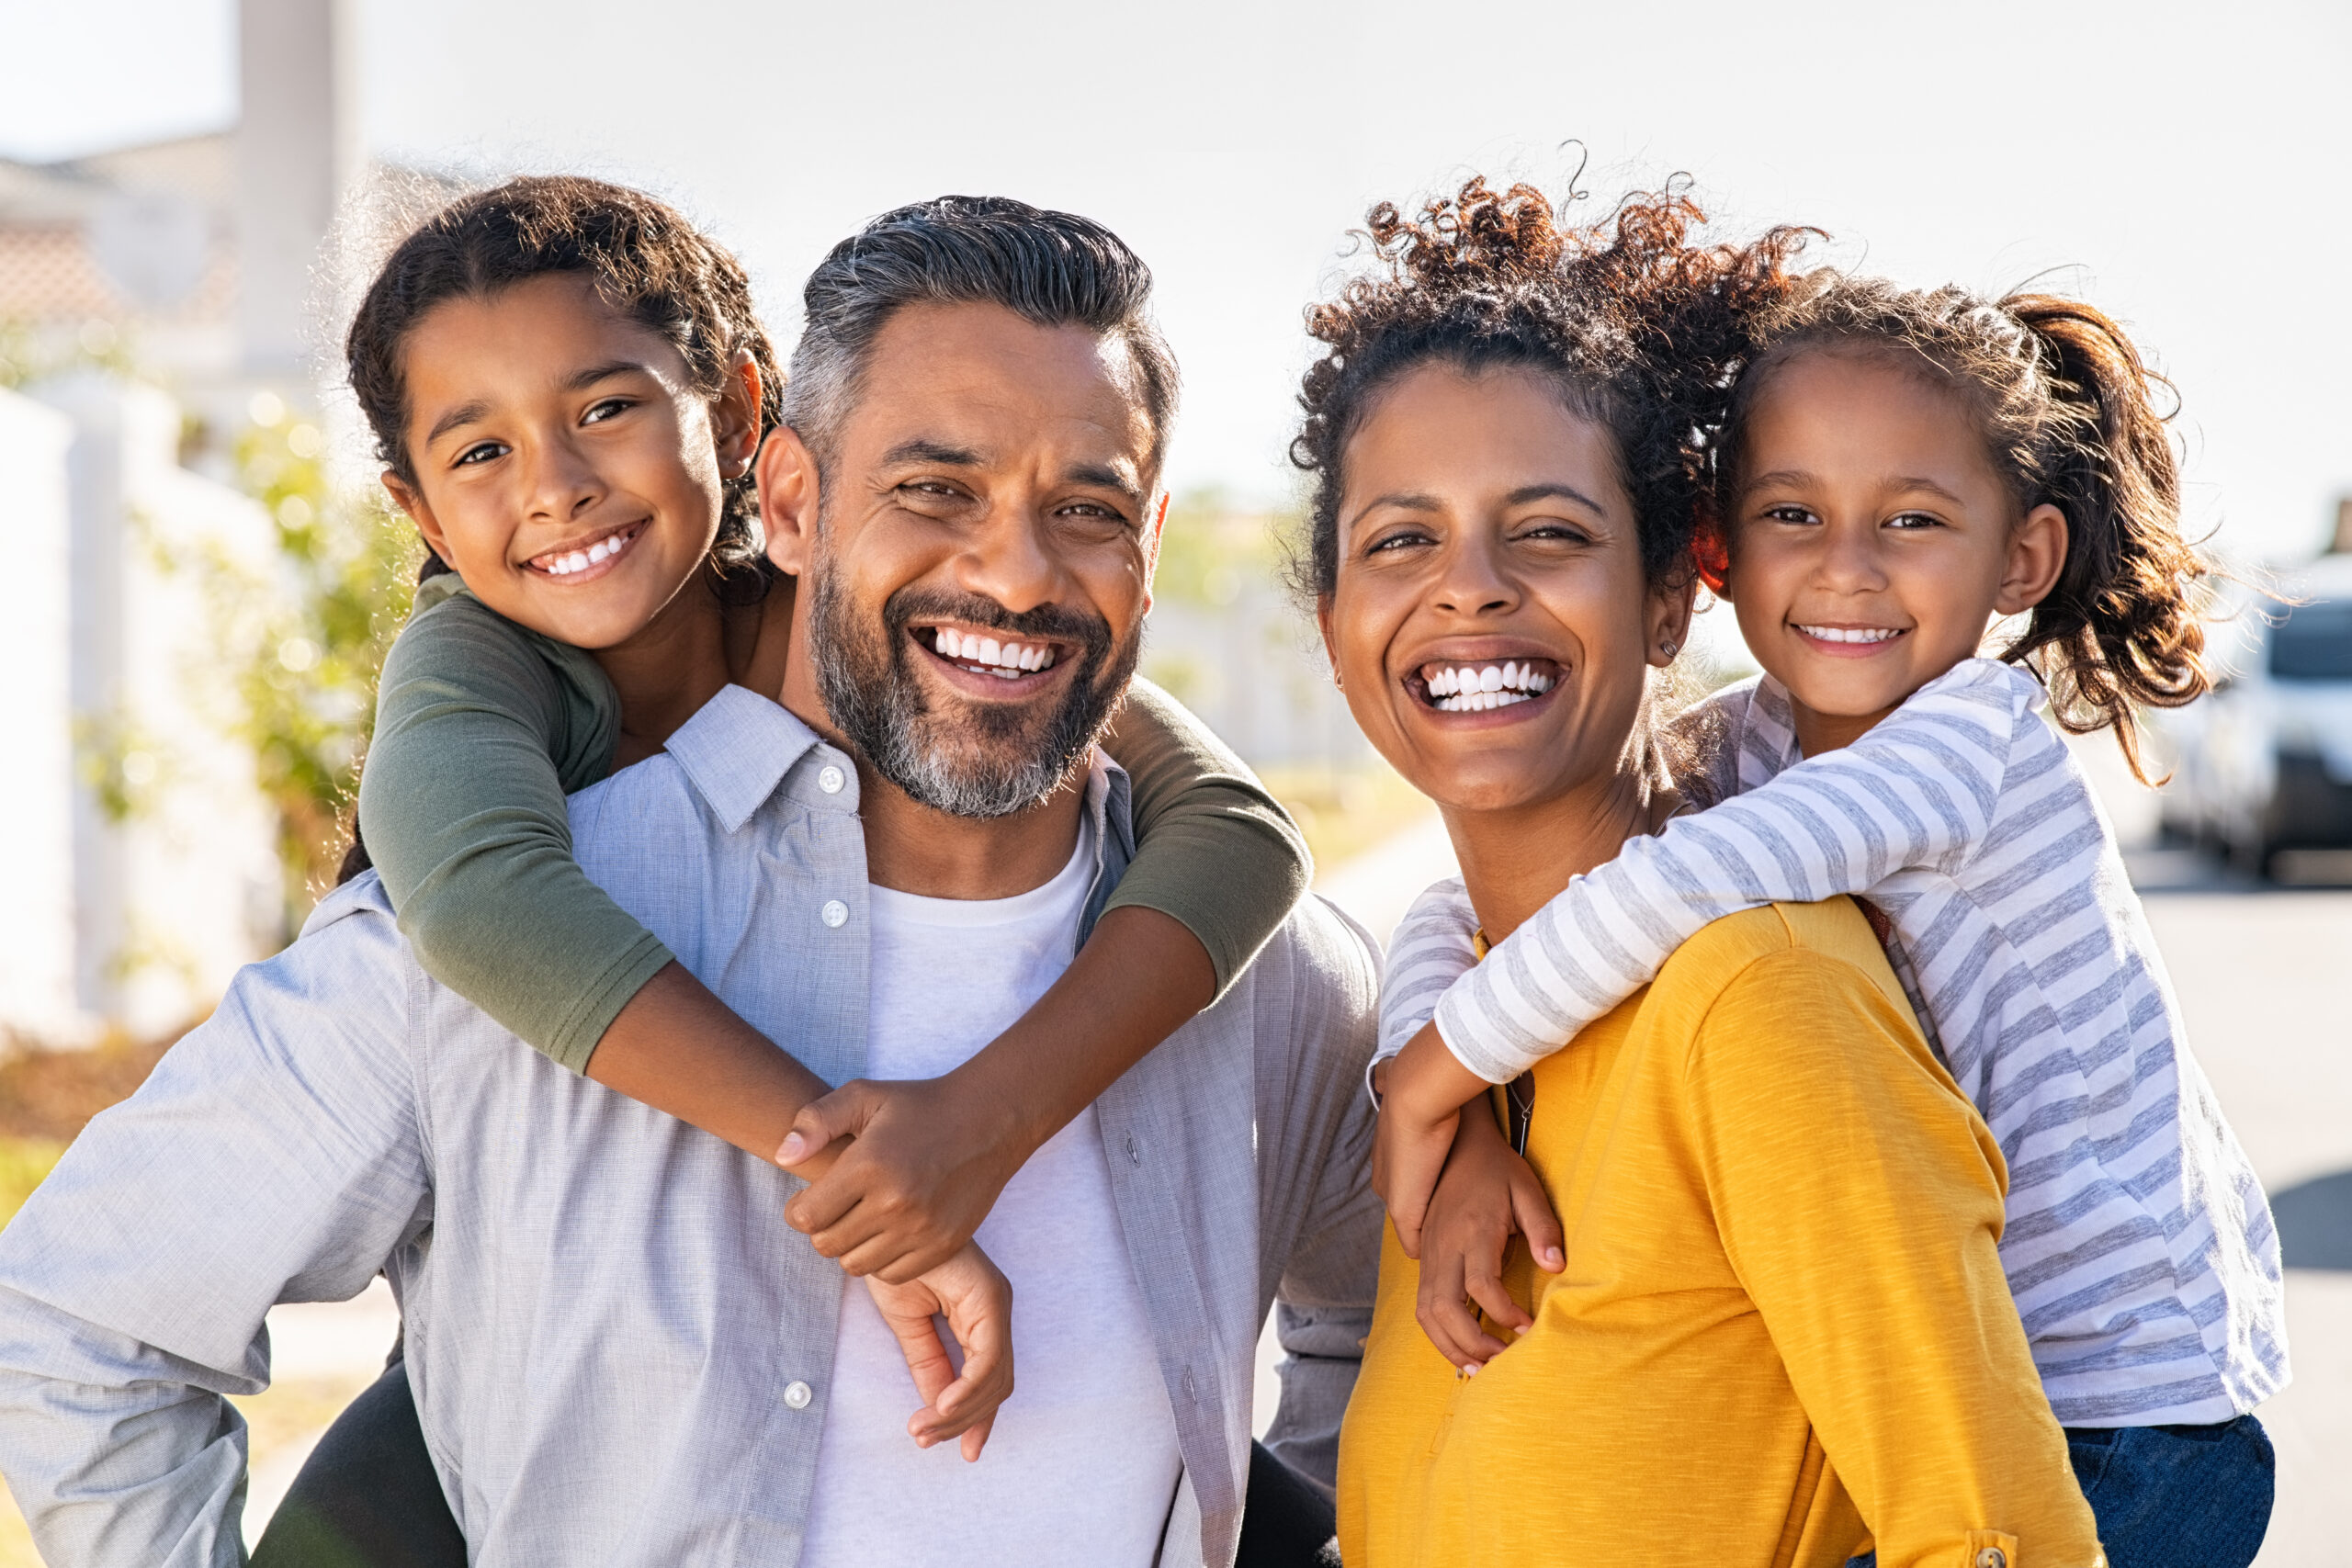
[[835, 913], [797, 1394], [1992, 1557], [831, 780]]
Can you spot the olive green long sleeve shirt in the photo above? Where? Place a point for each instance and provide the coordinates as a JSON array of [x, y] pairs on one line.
[[483, 727]]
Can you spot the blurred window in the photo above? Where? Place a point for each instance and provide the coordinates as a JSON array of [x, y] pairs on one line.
[[2315, 643]]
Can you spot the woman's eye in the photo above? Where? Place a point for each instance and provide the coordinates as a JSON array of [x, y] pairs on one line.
[[1390, 543], [481, 452], [1567, 533]]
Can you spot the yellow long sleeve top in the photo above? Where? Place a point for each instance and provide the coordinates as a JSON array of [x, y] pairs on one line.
[[1782, 1331]]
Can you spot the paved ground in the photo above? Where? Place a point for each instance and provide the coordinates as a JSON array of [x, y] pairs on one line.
[[2264, 978]]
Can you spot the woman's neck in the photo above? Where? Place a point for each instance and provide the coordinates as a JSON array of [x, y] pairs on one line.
[[1514, 860], [696, 645]]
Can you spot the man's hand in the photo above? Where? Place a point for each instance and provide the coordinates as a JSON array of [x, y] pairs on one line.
[[1486, 1196], [976, 1298], [1422, 1095], [924, 1164]]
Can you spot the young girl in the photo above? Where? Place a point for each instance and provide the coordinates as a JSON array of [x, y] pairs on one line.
[[568, 386], [1895, 469]]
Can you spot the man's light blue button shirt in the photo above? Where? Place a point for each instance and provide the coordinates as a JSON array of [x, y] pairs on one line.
[[620, 1352]]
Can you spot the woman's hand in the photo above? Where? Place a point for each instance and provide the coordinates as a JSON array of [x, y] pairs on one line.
[[976, 1298], [1422, 1094], [922, 1164], [1487, 1195]]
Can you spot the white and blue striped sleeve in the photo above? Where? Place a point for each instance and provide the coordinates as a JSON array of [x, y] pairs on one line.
[[1916, 791]]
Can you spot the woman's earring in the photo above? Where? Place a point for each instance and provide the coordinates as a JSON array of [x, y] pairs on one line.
[[1669, 648]]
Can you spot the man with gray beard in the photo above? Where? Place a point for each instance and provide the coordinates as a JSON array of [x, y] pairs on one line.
[[620, 1352]]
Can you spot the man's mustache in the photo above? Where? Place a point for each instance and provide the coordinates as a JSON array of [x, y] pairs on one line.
[[1046, 622]]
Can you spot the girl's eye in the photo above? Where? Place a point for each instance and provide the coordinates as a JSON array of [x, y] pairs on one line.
[[1790, 513], [481, 452], [1914, 520], [600, 412]]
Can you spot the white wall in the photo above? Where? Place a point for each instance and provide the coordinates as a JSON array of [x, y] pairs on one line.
[[168, 900], [36, 945]]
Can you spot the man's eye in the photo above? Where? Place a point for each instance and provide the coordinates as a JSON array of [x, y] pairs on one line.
[[481, 452]]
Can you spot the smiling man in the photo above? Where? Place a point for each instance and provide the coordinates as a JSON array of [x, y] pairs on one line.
[[882, 871]]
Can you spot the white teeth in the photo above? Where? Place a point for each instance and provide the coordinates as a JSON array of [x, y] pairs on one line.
[[601, 550], [1852, 633], [987, 656], [1460, 688]]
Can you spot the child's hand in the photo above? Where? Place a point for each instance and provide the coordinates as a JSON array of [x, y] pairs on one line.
[[922, 1168], [1487, 1195], [1422, 1100], [977, 1300]]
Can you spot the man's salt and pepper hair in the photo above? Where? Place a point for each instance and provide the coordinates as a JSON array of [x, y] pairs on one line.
[[1054, 268]]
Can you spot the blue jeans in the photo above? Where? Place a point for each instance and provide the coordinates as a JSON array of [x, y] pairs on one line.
[[2172, 1496]]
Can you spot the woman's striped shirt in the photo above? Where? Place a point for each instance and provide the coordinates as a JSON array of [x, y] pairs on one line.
[[2139, 1245]]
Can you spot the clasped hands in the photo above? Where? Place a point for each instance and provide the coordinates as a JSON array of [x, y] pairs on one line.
[[1457, 1194], [900, 1174]]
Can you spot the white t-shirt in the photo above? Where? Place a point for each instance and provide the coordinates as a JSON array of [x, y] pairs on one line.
[[1084, 1462]]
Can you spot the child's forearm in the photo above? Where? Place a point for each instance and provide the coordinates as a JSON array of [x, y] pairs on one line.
[[679, 1049], [1139, 978]]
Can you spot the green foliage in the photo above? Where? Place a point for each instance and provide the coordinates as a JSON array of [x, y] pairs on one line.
[[311, 642], [1209, 551]]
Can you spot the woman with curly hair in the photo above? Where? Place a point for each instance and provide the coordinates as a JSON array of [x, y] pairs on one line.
[[1774, 1328]]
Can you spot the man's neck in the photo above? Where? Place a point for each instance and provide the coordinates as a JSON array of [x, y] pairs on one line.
[[913, 848]]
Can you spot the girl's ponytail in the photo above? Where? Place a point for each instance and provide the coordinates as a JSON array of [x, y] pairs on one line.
[[2120, 628]]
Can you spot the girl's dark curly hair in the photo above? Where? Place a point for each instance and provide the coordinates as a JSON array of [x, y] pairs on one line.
[[646, 261], [2070, 416], [1637, 327]]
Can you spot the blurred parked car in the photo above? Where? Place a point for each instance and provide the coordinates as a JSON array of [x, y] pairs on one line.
[[2265, 763]]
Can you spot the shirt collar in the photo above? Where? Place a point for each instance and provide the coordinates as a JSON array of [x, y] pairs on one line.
[[739, 746], [736, 749]]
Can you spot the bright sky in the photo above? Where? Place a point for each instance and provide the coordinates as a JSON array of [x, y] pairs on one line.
[[2184, 161]]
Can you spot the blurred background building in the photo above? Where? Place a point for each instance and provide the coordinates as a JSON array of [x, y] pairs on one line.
[[153, 319]]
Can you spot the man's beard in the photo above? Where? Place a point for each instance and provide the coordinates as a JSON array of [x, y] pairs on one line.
[[982, 760]]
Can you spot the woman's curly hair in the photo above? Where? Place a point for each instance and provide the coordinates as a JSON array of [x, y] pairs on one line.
[[646, 261], [2070, 415], [1638, 328]]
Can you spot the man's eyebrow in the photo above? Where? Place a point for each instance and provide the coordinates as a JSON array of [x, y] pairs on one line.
[[921, 449], [464, 413], [1106, 476]]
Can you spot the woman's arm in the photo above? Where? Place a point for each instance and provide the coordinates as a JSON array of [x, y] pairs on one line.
[[1218, 865], [1859, 1198]]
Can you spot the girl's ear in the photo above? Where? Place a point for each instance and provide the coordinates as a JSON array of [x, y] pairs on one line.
[[410, 500], [1711, 551], [788, 499], [2037, 556], [735, 416]]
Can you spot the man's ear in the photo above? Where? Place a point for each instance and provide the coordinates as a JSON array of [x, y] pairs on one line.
[[2037, 555], [1151, 540], [788, 499], [410, 500], [735, 416]]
